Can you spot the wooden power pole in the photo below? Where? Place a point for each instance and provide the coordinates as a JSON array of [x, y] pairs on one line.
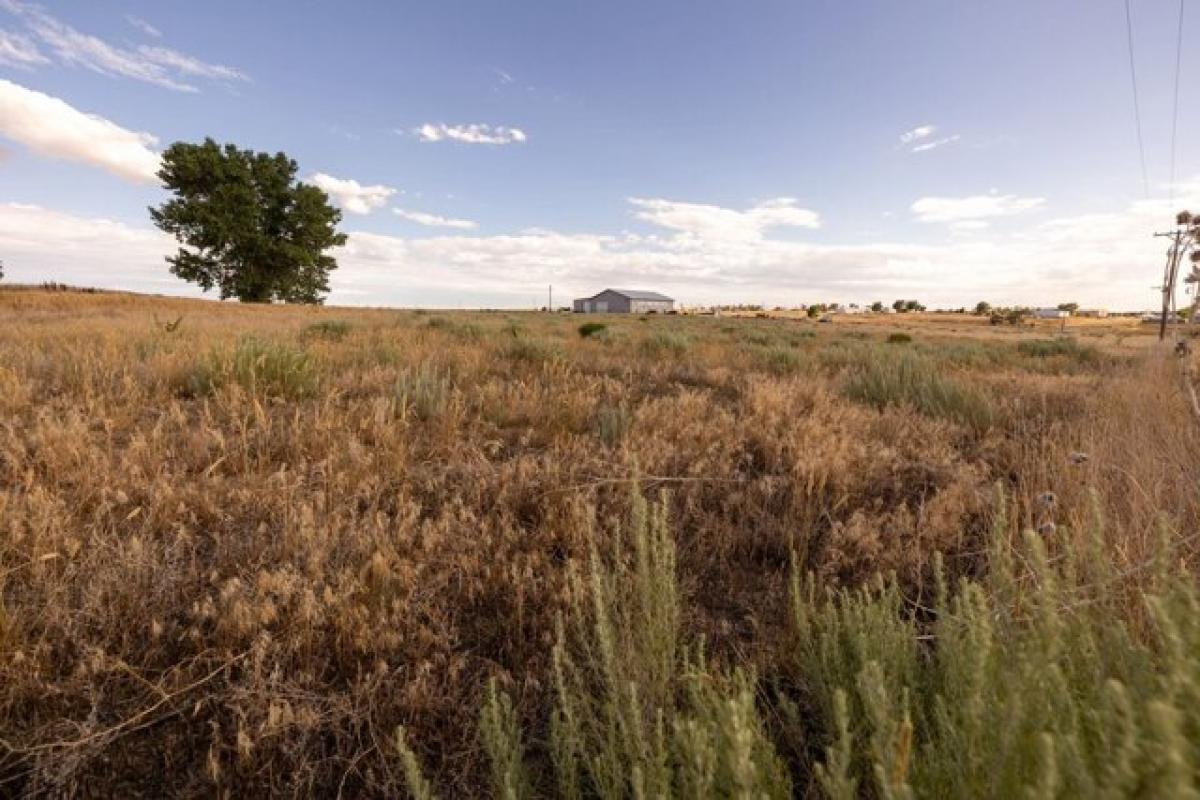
[[1169, 275], [1183, 238]]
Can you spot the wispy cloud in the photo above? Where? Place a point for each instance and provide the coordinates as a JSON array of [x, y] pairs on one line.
[[470, 134], [188, 65], [936, 143], [51, 127], [352, 195], [143, 26], [504, 77], [974, 208], [19, 51], [917, 134], [155, 65], [434, 221], [920, 139]]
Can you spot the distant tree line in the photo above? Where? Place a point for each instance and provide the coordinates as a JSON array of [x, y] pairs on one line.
[[1014, 315]]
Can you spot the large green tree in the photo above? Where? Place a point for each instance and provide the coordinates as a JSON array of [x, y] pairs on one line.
[[247, 227]]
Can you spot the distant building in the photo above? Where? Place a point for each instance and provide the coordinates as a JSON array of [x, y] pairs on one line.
[[1155, 317], [1095, 313], [1051, 313], [625, 301]]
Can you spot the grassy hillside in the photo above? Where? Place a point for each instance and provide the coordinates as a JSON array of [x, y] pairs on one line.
[[316, 550]]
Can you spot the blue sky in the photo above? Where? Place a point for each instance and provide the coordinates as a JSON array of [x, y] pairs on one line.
[[777, 152]]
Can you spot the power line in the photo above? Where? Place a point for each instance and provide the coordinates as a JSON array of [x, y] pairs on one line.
[[1175, 112], [1137, 112]]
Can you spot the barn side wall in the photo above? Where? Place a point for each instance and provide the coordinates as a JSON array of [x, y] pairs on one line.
[[651, 306]]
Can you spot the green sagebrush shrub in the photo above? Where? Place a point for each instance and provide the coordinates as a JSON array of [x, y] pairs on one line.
[[1039, 679], [1031, 682], [883, 379], [637, 712], [589, 329], [613, 423], [666, 343], [423, 392], [332, 329], [533, 351], [1063, 347], [258, 366]]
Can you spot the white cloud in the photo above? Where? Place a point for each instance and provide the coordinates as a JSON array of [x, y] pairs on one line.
[[19, 51], [470, 134], [1101, 259], [936, 143], [1105, 260], [352, 195], [715, 222], [434, 221], [918, 133], [41, 244], [976, 207], [143, 26], [158, 66], [55, 129]]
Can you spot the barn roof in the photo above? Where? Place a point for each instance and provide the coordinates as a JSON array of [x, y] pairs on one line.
[[639, 294]]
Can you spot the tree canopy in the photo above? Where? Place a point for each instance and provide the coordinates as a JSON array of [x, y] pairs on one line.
[[247, 227]]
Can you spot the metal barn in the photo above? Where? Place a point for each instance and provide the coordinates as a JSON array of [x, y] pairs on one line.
[[625, 301]]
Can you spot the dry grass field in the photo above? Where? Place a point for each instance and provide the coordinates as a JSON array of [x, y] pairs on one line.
[[324, 551]]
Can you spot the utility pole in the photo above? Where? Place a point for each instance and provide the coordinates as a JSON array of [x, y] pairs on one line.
[[550, 299], [1183, 238], [1168, 284]]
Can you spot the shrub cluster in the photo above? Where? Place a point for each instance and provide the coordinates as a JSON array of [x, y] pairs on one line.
[[589, 329], [1067, 348], [1033, 681], [909, 379], [260, 367]]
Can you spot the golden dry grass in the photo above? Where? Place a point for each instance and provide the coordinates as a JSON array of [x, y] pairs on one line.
[[235, 556]]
